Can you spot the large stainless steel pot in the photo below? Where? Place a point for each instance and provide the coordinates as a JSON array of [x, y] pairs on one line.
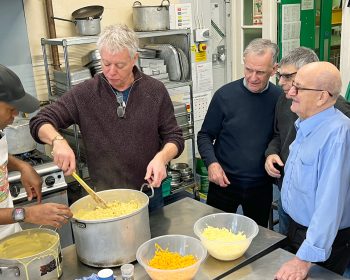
[[18, 137], [150, 18], [85, 27], [111, 242], [46, 265]]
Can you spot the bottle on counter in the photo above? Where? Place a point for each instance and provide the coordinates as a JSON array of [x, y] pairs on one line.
[[127, 271]]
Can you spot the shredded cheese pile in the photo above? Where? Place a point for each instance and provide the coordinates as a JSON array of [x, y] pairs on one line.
[[164, 259], [222, 234], [223, 244], [114, 209]]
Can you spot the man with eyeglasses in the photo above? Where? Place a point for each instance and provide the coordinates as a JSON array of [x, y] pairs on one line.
[[315, 192], [235, 133], [126, 120], [284, 130]]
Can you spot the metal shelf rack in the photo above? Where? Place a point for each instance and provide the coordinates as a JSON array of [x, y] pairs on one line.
[[180, 38]]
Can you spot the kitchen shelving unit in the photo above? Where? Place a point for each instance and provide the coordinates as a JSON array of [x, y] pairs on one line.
[[180, 38]]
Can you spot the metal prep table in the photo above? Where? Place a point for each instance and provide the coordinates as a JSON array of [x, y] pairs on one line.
[[266, 267], [179, 218]]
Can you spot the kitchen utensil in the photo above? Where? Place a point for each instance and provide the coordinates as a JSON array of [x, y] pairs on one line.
[[85, 27], [150, 18], [118, 238], [94, 11], [90, 191], [182, 244], [44, 264], [18, 137], [227, 250]]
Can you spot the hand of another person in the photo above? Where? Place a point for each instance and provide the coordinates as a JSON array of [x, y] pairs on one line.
[[295, 269], [155, 172], [269, 165], [48, 214], [217, 175], [31, 181], [64, 157]]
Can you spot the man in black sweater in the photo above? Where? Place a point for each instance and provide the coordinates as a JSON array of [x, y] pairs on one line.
[[284, 130], [235, 133]]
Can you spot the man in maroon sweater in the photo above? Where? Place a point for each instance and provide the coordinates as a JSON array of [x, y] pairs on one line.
[[126, 119]]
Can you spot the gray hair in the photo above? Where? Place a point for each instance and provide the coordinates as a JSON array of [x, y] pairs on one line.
[[260, 46], [116, 38], [299, 57]]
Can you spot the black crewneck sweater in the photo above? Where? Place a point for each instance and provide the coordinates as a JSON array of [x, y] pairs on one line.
[[240, 124]]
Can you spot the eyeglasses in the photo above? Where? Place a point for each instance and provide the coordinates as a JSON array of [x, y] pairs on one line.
[[121, 107], [286, 76], [301, 88]]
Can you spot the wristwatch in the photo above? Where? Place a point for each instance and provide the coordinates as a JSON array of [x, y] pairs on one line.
[[57, 137], [18, 214]]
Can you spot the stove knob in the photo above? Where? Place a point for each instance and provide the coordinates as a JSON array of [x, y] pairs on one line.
[[14, 190], [49, 181]]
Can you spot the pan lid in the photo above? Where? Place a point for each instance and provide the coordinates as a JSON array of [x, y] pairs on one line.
[[94, 11]]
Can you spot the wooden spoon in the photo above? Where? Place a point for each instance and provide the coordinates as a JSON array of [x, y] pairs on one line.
[[90, 191]]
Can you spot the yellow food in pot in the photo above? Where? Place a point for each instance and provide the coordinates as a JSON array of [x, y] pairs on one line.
[[223, 244], [26, 245], [114, 209]]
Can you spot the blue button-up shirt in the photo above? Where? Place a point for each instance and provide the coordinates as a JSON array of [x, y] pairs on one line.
[[315, 191]]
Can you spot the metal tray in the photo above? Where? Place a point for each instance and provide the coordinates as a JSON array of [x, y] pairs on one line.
[[171, 58]]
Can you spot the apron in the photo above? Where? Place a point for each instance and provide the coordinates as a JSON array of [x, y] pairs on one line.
[[5, 196]]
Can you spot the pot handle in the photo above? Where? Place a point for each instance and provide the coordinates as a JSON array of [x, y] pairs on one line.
[[16, 273], [137, 3], [148, 186], [64, 19], [161, 4]]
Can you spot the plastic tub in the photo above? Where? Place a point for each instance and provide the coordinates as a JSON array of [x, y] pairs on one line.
[[222, 250], [182, 244]]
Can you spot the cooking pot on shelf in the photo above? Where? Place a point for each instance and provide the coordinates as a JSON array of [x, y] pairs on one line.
[[111, 242], [87, 20], [45, 265], [85, 27], [150, 18], [19, 139]]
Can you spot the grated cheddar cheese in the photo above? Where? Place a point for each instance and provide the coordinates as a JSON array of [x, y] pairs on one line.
[[164, 259]]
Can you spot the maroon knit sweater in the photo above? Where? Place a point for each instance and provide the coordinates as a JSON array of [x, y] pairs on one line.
[[118, 150]]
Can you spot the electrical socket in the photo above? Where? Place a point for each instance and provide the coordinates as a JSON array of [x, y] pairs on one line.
[[201, 34]]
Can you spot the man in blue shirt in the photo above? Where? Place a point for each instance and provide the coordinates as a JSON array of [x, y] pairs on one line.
[[315, 191]]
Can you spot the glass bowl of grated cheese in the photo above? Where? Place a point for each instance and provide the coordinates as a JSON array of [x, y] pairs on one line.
[[175, 257], [226, 235]]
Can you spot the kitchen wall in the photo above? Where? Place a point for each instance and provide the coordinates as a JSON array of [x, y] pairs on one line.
[[116, 11]]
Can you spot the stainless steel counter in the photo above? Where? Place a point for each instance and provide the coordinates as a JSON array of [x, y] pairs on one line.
[[266, 267], [179, 218]]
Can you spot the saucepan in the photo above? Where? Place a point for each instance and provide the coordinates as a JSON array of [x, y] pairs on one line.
[[89, 26], [87, 20]]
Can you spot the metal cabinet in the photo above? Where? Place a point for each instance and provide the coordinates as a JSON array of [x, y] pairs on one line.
[[179, 38]]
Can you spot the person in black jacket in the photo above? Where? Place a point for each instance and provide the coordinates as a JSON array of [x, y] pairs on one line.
[[235, 133], [284, 130]]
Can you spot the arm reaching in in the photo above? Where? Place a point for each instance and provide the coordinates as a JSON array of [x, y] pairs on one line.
[[30, 179], [62, 153], [49, 214]]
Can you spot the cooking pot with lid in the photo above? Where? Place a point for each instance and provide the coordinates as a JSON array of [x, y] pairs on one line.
[[44, 264], [85, 27], [111, 242], [150, 18]]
